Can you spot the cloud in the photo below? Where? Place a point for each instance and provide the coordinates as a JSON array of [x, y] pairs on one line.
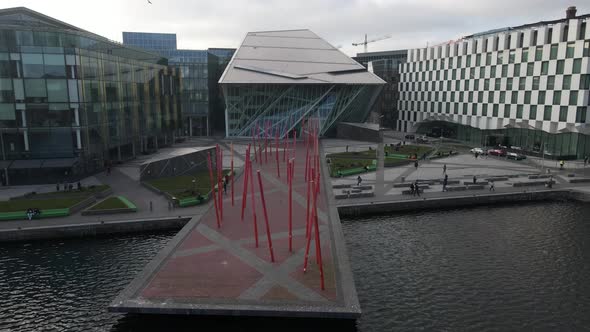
[[223, 23]]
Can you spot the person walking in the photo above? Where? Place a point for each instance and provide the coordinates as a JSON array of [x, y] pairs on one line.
[[416, 164], [474, 179], [30, 214], [412, 189], [561, 164], [57, 186], [358, 180], [417, 188], [492, 186], [585, 161], [445, 169], [445, 182]]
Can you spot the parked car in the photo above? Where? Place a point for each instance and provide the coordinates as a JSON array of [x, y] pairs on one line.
[[515, 156], [422, 139], [410, 136], [477, 150], [516, 148], [497, 152]]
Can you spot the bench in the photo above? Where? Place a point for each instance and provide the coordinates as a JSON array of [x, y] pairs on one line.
[[578, 180], [456, 188], [530, 183], [470, 183], [341, 186]]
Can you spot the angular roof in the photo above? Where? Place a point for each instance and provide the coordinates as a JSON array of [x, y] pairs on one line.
[[33, 18], [293, 57]]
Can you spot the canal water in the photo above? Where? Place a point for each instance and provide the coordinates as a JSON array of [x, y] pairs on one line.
[[514, 267]]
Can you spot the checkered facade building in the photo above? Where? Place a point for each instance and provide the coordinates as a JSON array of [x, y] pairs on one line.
[[536, 75]]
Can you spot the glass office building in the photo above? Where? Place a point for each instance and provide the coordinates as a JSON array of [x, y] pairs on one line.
[[277, 79], [201, 103], [70, 100], [385, 65]]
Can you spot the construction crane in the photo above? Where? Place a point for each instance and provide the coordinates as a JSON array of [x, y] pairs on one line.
[[370, 41]]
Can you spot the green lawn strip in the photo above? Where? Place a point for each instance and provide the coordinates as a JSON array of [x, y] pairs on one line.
[[342, 165], [182, 186], [366, 154], [128, 203], [408, 149], [109, 204], [41, 204]]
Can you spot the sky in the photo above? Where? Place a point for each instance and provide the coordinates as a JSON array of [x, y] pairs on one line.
[[224, 23]]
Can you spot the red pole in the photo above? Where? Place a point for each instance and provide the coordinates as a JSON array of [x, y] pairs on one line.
[[317, 241], [251, 177], [272, 255], [307, 210], [290, 180], [219, 185], [277, 155], [285, 144], [245, 190], [254, 141], [213, 189], [309, 229], [306, 162], [265, 142], [232, 174]]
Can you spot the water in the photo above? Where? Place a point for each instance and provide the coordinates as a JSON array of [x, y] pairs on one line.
[[505, 268], [483, 269]]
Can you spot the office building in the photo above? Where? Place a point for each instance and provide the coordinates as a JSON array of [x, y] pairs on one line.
[[71, 100], [524, 86], [385, 65], [277, 79], [201, 100]]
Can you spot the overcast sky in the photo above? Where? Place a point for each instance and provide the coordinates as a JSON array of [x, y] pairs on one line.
[[223, 23]]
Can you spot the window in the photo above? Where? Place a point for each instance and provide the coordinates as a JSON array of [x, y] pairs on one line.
[[514, 97], [577, 68], [504, 70], [507, 111], [478, 60], [556, 97], [502, 96], [462, 73], [541, 98], [511, 56], [465, 109], [488, 59], [560, 66], [491, 97], [516, 70], [549, 35], [563, 113], [585, 81], [573, 98], [498, 84], [482, 71], [522, 83], [533, 112], [567, 82], [493, 71], [581, 115], [527, 97], [566, 30], [519, 111], [530, 68], [495, 110], [550, 82], [520, 39], [480, 97], [499, 57], [474, 109], [468, 61], [535, 82], [534, 39], [55, 66], [547, 113], [525, 55], [461, 96], [57, 90], [484, 110], [470, 98], [569, 51], [35, 90], [32, 65], [486, 84], [539, 53], [553, 52], [582, 35], [509, 83], [544, 67]]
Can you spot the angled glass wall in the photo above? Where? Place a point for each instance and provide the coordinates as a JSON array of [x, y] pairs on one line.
[[278, 109]]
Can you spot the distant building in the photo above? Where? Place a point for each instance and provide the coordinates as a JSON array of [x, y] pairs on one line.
[[385, 65], [525, 86], [72, 101], [201, 101], [277, 79]]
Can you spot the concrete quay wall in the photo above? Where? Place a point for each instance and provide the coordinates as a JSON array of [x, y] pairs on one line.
[[91, 229], [362, 209]]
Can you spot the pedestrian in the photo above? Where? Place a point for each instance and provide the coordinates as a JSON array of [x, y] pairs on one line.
[[225, 186], [57, 186], [412, 188], [474, 179], [79, 186], [416, 164], [561, 164], [492, 186], [30, 214], [585, 161], [445, 169], [347, 148], [358, 180], [445, 182], [417, 188], [475, 155]]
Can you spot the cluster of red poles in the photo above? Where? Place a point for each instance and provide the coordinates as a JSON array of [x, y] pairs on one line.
[[261, 142]]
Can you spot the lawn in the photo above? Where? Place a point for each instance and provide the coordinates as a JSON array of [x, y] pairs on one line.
[[419, 150], [340, 164], [182, 186], [41, 204], [109, 204]]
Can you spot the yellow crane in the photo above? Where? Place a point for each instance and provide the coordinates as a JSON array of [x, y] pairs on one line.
[[370, 41]]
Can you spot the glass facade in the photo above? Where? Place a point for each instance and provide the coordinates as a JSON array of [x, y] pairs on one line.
[[279, 109], [69, 94], [201, 103]]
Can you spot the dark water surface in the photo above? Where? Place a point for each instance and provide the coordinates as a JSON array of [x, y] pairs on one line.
[[505, 268], [513, 267]]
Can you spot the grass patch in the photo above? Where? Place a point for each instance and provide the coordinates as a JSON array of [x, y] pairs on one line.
[[341, 164], [109, 204], [182, 186], [41, 204], [408, 149]]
